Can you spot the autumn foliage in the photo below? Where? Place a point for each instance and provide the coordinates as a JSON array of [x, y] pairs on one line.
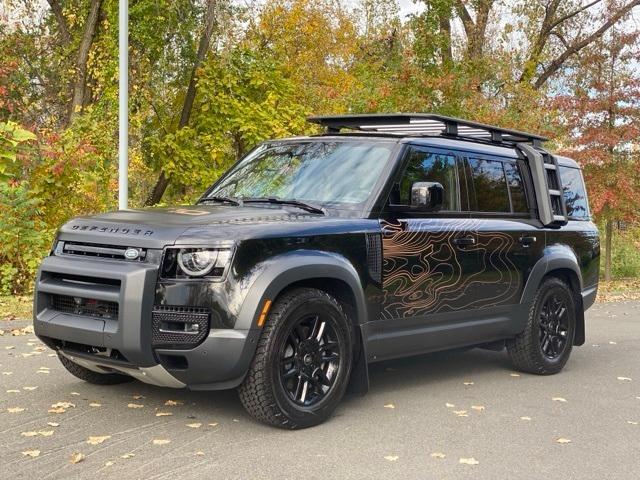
[[211, 78]]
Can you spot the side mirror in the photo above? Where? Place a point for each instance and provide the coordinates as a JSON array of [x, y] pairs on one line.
[[427, 196]]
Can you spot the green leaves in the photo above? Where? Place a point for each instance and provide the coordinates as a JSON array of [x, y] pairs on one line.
[[12, 138]]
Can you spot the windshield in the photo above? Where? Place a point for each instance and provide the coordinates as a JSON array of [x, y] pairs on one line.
[[319, 172]]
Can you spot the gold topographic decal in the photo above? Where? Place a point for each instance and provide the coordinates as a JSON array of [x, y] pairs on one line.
[[425, 272]]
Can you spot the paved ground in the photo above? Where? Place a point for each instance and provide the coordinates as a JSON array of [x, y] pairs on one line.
[[511, 426]]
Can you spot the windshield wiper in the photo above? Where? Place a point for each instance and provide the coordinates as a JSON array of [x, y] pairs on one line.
[[295, 203], [233, 201]]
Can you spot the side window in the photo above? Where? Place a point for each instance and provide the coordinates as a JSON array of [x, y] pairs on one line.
[[490, 185], [516, 188], [574, 193], [425, 166]]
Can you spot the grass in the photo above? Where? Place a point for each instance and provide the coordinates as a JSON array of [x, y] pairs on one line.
[[14, 307]]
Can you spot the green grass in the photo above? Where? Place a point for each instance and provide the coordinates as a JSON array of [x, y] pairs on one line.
[[14, 307]]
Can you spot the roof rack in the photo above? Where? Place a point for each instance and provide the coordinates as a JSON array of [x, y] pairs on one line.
[[424, 124]]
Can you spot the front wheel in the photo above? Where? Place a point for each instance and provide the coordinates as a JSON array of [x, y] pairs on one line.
[[302, 363], [545, 344]]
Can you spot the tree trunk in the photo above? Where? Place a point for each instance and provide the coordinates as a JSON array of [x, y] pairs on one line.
[[80, 83], [209, 22], [608, 240]]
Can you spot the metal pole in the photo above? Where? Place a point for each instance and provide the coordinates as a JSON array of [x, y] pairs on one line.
[[123, 110]]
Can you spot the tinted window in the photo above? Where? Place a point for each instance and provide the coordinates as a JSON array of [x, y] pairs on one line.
[[426, 166], [575, 196], [490, 185], [514, 179]]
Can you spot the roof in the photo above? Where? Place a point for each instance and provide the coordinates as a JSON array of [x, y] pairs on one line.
[[424, 124]]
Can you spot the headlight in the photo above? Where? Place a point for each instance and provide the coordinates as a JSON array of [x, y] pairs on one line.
[[195, 262]]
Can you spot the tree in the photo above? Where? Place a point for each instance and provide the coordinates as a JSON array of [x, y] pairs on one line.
[[603, 118]]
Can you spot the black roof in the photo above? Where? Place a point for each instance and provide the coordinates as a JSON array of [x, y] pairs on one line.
[[424, 124]]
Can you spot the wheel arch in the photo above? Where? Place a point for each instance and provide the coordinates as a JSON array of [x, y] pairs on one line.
[[562, 264]]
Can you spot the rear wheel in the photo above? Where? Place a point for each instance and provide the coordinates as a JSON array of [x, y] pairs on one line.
[[302, 363], [93, 377], [545, 344]]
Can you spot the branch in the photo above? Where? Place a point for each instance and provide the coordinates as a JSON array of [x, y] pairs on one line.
[[557, 63], [63, 28], [572, 14]]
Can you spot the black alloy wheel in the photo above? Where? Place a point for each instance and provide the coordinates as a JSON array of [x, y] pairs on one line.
[[310, 359], [302, 363], [554, 326], [545, 344]]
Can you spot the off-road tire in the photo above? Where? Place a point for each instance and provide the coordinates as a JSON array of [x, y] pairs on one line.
[[525, 349], [90, 376], [261, 393]]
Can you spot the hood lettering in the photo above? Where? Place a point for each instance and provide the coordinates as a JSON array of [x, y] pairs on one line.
[[120, 230]]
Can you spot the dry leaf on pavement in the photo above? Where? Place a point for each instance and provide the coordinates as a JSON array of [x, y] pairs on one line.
[[77, 457], [31, 453], [134, 405], [390, 405], [559, 399], [163, 414], [15, 409], [479, 408], [438, 455], [98, 440], [173, 403], [624, 379], [563, 440], [391, 458], [469, 461], [161, 441]]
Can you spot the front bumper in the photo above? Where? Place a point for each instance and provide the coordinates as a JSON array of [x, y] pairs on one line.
[[123, 342]]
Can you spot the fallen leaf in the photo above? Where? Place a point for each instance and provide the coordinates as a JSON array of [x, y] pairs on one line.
[[53, 424], [74, 393], [213, 424], [449, 405], [57, 410], [391, 458], [13, 391], [161, 441], [624, 379], [29, 434], [438, 455], [9, 347], [95, 404], [109, 463], [42, 371], [559, 399], [525, 418], [163, 414], [128, 455], [514, 374], [31, 453], [477, 407], [15, 409], [469, 461], [77, 457], [63, 405], [390, 405], [194, 425], [631, 422], [173, 403], [29, 388], [135, 405], [43, 433], [7, 373], [612, 343], [199, 454], [563, 440], [460, 412], [467, 383], [97, 440], [138, 397]]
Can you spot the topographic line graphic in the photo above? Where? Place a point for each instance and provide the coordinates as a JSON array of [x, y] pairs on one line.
[[425, 272]]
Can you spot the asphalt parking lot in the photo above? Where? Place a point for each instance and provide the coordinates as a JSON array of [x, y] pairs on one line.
[[440, 416]]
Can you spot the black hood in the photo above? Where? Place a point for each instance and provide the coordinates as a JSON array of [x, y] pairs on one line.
[[157, 227]]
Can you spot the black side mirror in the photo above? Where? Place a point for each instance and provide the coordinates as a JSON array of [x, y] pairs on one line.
[[427, 195]]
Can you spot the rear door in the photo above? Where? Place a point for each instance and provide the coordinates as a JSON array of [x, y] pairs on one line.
[[510, 239]]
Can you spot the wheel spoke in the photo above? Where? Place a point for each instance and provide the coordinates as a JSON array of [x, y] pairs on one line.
[[305, 387], [315, 325], [320, 331], [544, 343], [323, 378]]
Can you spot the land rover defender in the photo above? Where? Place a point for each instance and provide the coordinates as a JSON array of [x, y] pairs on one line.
[[385, 236]]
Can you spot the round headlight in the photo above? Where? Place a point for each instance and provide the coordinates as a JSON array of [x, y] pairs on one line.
[[197, 262]]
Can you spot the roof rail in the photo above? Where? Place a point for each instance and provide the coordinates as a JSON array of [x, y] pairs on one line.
[[424, 124]]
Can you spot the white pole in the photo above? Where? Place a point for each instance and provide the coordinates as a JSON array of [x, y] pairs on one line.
[[123, 110]]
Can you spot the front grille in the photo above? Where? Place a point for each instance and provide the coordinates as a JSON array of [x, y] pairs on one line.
[[114, 252], [179, 325], [84, 306], [374, 255]]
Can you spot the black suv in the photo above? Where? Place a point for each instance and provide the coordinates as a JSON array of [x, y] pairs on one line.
[[386, 236]]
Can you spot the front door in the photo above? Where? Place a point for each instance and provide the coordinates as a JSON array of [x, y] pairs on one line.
[[430, 260]]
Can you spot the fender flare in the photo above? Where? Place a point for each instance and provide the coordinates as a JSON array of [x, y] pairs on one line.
[[559, 258], [283, 270]]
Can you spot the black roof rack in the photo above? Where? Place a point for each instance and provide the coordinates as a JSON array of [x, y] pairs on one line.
[[424, 124]]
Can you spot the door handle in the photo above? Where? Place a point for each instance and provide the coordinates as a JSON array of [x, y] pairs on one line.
[[464, 241], [527, 241]]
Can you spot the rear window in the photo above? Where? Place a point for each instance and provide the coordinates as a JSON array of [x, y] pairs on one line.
[[490, 185], [575, 196]]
